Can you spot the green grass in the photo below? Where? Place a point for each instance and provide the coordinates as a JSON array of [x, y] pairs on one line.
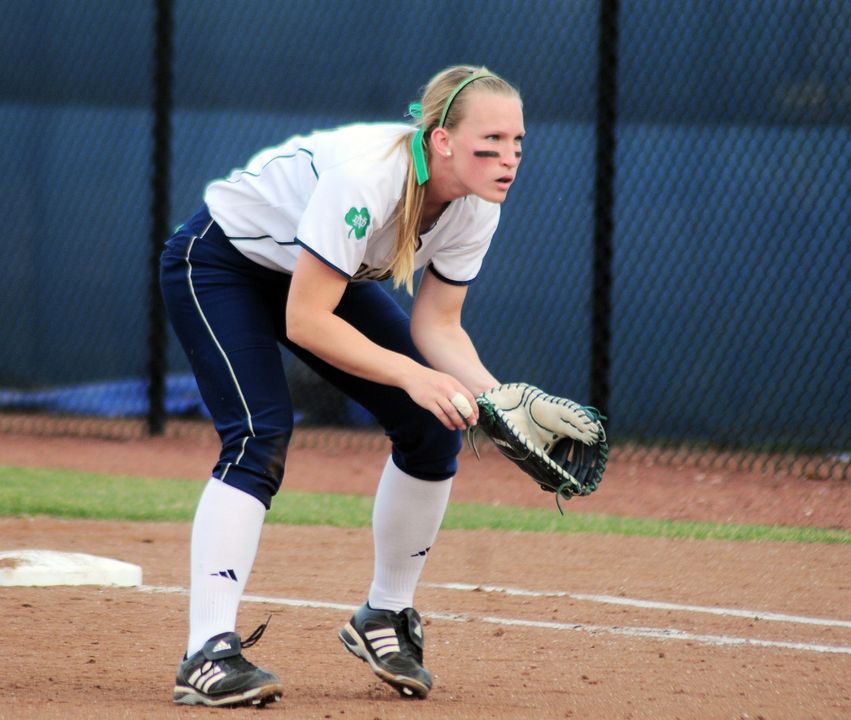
[[69, 494]]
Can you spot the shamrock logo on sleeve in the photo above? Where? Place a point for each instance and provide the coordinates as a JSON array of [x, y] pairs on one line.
[[358, 222]]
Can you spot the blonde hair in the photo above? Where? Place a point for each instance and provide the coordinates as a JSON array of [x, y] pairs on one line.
[[441, 90]]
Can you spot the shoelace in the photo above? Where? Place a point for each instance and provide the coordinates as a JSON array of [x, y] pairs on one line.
[[256, 635]]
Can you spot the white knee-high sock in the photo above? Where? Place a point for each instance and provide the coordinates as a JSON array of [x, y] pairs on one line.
[[225, 537], [405, 520]]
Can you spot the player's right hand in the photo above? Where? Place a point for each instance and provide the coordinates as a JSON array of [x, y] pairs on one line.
[[435, 392]]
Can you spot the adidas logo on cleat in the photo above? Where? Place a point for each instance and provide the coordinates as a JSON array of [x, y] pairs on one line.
[[221, 645], [391, 643], [383, 641], [219, 676], [203, 678]]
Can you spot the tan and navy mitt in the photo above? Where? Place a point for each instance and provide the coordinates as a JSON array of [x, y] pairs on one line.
[[559, 443]]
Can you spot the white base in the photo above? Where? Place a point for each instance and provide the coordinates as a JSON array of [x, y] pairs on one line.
[[47, 567]]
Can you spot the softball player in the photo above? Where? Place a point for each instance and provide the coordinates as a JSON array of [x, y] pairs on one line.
[[287, 250]]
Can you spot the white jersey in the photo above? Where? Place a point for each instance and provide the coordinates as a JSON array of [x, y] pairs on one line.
[[336, 193]]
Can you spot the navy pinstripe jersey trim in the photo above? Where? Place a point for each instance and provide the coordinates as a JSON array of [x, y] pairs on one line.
[[446, 279], [263, 237], [319, 257], [278, 157]]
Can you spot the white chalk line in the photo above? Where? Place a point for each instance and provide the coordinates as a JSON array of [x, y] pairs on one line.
[[645, 604], [644, 632]]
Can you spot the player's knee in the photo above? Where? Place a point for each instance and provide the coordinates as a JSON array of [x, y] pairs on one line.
[[425, 449], [256, 464]]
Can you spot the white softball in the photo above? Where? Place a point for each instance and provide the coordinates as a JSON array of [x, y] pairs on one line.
[[462, 405]]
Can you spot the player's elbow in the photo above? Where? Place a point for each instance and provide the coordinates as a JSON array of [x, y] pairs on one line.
[[416, 329], [299, 327], [430, 327]]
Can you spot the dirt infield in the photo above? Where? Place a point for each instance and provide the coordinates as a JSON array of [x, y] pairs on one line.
[[568, 626]]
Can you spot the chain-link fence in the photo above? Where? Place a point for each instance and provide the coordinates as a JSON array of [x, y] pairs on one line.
[[676, 248], [731, 266]]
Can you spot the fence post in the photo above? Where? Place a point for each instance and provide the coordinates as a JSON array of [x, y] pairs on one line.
[[604, 179], [160, 208]]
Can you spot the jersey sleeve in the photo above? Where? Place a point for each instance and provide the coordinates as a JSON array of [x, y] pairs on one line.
[[343, 211], [458, 262]]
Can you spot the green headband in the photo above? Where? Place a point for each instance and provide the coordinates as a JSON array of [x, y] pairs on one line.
[[415, 110], [461, 85]]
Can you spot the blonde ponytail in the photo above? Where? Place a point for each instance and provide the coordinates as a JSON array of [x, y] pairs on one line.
[[408, 221]]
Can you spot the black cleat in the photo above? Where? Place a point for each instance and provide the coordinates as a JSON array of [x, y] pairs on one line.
[[392, 644], [219, 676]]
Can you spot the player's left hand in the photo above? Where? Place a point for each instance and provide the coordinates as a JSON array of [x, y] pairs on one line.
[[560, 443]]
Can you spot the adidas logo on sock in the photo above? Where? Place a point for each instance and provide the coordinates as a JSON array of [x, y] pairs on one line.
[[225, 574]]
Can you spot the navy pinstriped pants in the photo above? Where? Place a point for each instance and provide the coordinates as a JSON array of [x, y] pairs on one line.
[[229, 315]]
